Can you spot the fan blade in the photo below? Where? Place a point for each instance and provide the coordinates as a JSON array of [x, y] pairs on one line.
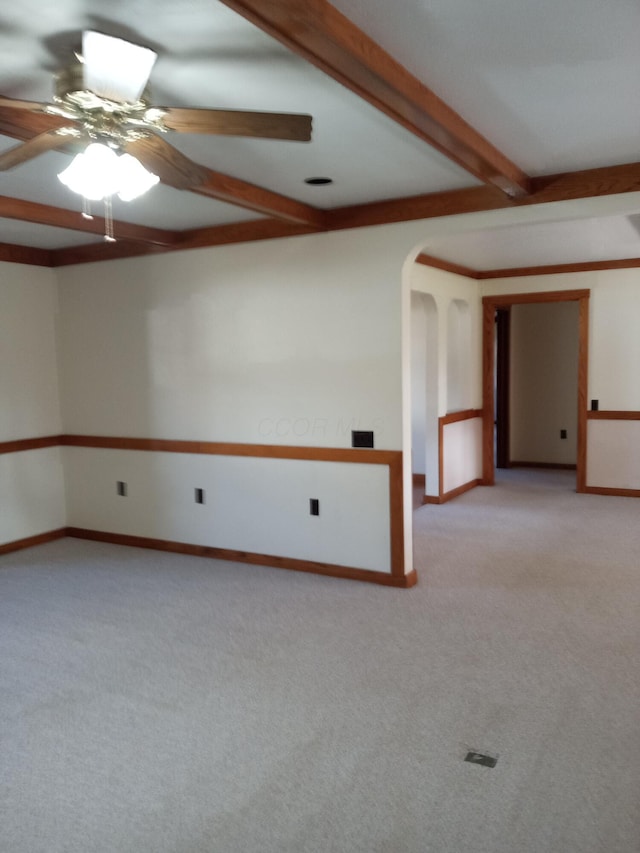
[[291, 126], [115, 69], [28, 150], [32, 106], [165, 161]]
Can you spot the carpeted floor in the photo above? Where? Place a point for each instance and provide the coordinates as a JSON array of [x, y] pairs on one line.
[[152, 703]]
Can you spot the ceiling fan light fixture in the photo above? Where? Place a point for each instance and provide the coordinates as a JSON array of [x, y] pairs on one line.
[[93, 173], [99, 172], [115, 69], [134, 179]]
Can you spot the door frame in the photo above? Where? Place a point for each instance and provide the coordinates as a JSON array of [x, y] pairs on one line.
[[489, 306], [502, 390]]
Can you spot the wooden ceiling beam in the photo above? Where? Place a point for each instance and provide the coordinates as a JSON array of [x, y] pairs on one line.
[[323, 36], [241, 232], [588, 183], [46, 214], [259, 200], [103, 252], [25, 255], [216, 235]]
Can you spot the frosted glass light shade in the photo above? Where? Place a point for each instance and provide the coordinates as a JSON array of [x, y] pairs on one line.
[[99, 172], [114, 68], [134, 179], [94, 173]]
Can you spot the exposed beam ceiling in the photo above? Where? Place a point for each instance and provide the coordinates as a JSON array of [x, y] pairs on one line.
[[589, 183], [323, 36], [260, 200], [44, 214]]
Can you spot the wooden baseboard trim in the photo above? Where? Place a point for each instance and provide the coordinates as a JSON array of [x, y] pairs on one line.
[[620, 493], [453, 493], [328, 569], [419, 480], [460, 490], [560, 466], [30, 541]]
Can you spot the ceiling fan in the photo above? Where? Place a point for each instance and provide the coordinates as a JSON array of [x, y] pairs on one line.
[[104, 97]]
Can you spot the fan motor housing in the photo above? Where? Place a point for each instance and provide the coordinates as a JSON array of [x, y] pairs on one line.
[[69, 88]]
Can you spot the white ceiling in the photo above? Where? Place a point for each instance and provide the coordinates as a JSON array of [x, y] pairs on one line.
[[553, 85], [542, 243]]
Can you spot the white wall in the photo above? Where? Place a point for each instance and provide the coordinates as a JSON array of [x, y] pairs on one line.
[[256, 343], [462, 453], [544, 382], [613, 453], [456, 352], [251, 504], [28, 376], [285, 341], [249, 343], [614, 355], [459, 318], [31, 482]]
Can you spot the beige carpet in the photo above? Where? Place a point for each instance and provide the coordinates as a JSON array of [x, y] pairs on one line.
[[154, 703]]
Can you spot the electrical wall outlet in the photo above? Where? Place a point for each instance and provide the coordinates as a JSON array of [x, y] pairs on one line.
[[563, 433], [314, 506], [121, 488], [199, 496]]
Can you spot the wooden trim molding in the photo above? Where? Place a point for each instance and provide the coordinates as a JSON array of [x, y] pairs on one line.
[[452, 493], [460, 490], [616, 493], [583, 383], [464, 415], [14, 254], [608, 415], [22, 444], [508, 299], [555, 269], [447, 266], [559, 466], [225, 448], [391, 458], [46, 214], [443, 421], [30, 541], [329, 569], [490, 305], [612, 415], [198, 238], [357, 216], [520, 272]]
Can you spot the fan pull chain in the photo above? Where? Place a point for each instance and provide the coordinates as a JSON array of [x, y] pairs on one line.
[[108, 221], [86, 208]]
